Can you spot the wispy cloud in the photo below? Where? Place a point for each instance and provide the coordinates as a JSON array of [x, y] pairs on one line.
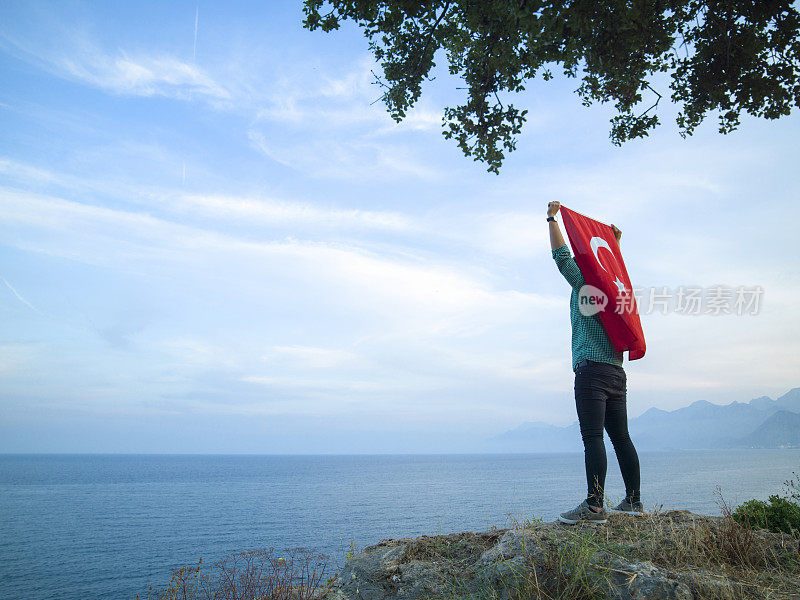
[[281, 212], [310, 356], [325, 126], [348, 100], [349, 159], [328, 102], [27, 174], [398, 324], [337, 127], [325, 385], [256, 209], [19, 296], [79, 58], [396, 283], [144, 76], [196, 352], [16, 357]]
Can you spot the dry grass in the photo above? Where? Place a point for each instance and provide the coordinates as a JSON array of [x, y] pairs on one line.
[[464, 548], [551, 569], [715, 556], [295, 574], [564, 571]]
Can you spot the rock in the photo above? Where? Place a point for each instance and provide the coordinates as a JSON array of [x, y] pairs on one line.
[[640, 581], [509, 564]]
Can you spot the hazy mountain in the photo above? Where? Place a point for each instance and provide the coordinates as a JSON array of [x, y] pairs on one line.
[[790, 400], [781, 430], [699, 425]]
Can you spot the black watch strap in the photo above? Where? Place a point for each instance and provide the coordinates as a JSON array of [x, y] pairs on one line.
[[551, 218]]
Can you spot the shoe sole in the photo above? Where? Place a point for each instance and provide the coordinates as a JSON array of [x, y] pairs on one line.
[[574, 521]]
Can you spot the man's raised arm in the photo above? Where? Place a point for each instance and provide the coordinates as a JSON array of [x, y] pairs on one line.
[[564, 261], [556, 239]]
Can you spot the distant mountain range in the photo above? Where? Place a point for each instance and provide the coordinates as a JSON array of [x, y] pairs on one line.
[[760, 423], [781, 430]]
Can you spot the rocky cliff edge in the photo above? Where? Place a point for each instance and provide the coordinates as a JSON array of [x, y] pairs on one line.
[[663, 555]]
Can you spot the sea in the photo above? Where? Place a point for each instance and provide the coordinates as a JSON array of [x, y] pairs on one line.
[[82, 527]]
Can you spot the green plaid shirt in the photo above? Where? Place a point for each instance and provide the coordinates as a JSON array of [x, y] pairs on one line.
[[589, 338]]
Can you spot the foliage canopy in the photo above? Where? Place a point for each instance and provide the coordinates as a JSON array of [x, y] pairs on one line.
[[730, 56]]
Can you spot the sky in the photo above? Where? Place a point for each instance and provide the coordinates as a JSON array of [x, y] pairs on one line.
[[213, 239]]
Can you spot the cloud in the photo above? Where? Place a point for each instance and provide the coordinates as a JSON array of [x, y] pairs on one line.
[[512, 234], [212, 210], [145, 76], [311, 357], [400, 320], [337, 127], [419, 118], [25, 173], [283, 213], [194, 351], [324, 385], [17, 358], [253, 209], [305, 99], [351, 100], [379, 281], [285, 110], [71, 53], [342, 158]]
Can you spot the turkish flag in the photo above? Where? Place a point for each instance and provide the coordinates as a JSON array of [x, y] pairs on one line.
[[598, 256]]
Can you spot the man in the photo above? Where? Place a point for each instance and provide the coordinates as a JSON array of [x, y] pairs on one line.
[[600, 395]]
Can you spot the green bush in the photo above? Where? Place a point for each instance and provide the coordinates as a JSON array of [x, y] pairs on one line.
[[778, 515]]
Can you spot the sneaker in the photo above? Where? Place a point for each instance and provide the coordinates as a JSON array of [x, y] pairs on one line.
[[582, 512], [629, 508]]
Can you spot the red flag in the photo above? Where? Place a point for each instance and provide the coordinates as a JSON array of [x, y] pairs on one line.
[[598, 256]]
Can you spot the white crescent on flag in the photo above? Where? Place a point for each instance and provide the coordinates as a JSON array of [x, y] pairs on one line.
[[596, 243]]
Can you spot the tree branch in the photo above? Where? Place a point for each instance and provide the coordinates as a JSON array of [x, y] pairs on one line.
[[654, 105], [429, 38]]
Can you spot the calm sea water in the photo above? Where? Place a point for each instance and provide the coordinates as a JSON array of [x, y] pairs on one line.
[[107, 526]]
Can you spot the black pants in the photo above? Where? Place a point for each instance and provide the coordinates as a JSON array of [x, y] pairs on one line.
[[600, 397]]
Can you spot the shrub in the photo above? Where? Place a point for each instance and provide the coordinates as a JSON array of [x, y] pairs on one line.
[[793, 487], [778, 515], [253, 575]]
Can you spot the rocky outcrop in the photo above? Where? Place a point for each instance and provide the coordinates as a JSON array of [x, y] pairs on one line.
[[620, 560]]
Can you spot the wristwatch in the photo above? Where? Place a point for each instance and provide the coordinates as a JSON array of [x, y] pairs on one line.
[[551, 218]]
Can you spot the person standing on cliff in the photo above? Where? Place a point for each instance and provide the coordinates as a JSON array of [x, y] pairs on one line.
[[600, 395]]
